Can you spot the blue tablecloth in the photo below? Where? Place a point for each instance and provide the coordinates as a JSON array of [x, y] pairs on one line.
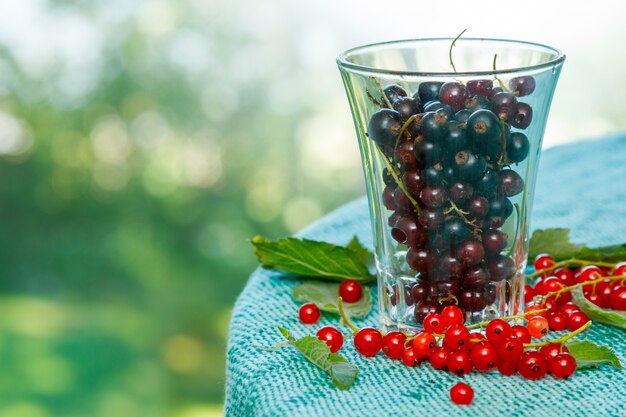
[[581, 186]]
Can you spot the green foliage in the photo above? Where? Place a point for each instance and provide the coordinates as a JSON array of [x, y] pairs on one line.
[[557, 243], [343, 374], [590, 355]]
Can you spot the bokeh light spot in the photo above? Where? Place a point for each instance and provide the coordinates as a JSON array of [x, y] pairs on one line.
[[183, 353]]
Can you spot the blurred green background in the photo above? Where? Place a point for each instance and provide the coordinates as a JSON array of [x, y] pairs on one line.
[[143, 142]]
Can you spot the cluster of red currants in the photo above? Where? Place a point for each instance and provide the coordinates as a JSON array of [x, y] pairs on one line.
[[606, 293], [350, 291]]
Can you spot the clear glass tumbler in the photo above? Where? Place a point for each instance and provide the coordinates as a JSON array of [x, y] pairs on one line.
[[450, 138]]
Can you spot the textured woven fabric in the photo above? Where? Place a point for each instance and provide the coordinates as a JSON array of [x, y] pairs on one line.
[[580, 186]]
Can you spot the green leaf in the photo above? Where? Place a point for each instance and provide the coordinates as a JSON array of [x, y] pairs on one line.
[[553, 241], [324, 296], [343, 374], [364, 255], [588, 354], [556, 242], [597, 314], [311, 258]]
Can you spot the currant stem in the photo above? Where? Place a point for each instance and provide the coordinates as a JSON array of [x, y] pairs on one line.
[[403, 130], [373, 99], [344, 317], [503, 158], [462, 214], [273, 348], [561, 339], [568, 262], [516, 316], [452, 46], [382, 93], [495, 57], [544, 298], [400, 184]]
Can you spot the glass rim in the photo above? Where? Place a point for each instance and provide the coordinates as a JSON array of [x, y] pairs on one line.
[[343, 62]]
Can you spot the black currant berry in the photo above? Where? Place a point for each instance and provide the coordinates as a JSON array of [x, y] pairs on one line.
[[394, 92], [427, 152], [522, 86], [460, 192], [428, 91], [434, 125], [473, 299], [423, 309], [523, 116], [421, 260], [469, 166], [501, 267], [462, 115], [402, 200], [434, 197], [494, 240], [453, 94], [414, 182], [419, 291], [406, 107], [388, 200], [504, 105], [471, 252], [482, 87], [456, 229], [510, 183], [517, 147], [456, 139], [408, 231], [405, 155], [450, 267], [476, 275], [434, 175], [478, 207], [431, 219], [499, 207], [384, 127], [478, 102], [435, 105], [387, 177], [483, 129], [488, 184]]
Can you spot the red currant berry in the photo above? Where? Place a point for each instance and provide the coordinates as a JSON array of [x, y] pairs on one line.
[[520, 332], [577, 320], [332, 337], [553, 349], [368, 341], [620, 269], [452, 315], [597, 298], [588, 273], [532, 365], [529, 294], [309, 313], [461, 394], [498, 330], [393, 344], [456, 337], [510, 349], [459, 362], [350, 291], [538, 327], [506, 368], [557, 321], [565, 275], [433, 323], [484, 356], [562, 366], [534, 311], [439, 357], [568, 309], [424, 343], [410, 358], [544, 261], [618, 299], [605, 289]]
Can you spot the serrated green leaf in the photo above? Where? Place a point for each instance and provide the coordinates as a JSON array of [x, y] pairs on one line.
[[364, 255], [343, 374], [553, 241], [324, 296], [614, 253], [588, 354], [597, 314], [310, 258]]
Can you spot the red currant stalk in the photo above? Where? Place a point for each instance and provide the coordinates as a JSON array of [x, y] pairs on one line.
[[344, 318], [569, 262], [594, 282], [523, 315]]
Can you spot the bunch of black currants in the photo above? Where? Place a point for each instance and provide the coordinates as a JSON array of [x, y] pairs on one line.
[[449, 149]]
